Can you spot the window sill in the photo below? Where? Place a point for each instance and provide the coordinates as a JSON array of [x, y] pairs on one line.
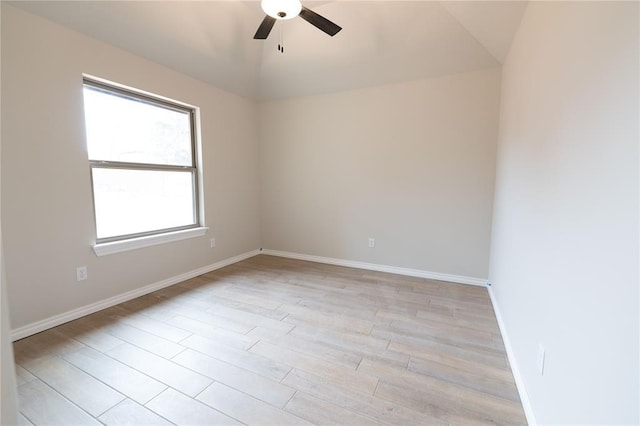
[[105, 249]]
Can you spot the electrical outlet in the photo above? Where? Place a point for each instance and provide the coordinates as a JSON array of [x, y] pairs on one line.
[[213, 242], [81, 273], [372, 242], [541, 359]]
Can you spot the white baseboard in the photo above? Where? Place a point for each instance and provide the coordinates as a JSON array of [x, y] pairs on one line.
[[381, 268], [524, 397], [37, 327]]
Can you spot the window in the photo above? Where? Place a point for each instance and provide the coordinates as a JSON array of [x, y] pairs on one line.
[[142, 155]]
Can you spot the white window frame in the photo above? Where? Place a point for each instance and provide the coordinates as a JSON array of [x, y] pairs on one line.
[[120, 243]]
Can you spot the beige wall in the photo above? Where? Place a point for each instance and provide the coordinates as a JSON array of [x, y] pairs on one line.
[[564, 259], [46, 195], [409, 164], [8, 394]]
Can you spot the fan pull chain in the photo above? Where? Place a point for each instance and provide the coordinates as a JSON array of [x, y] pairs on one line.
[[281, 42]]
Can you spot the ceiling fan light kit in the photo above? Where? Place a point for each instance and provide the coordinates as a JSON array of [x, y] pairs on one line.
[[289, 9], [282, 9]]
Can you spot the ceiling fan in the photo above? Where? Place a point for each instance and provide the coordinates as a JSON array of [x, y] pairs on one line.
[[289, 9]]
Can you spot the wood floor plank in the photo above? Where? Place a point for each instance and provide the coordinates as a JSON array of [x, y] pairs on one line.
[[158, 308], [214, 320], [476, 380], [260, 333], [178, 377], [290, 292], [41, 405], [46, 344], [77, 386], [150, 342], [453, 412], [230, 294], [317, 350], [122, 378], [317, 284], [130, 413], [185, 296], [153, 326], [91, 332], [246, 408], [23, 376], [250, 319], [412, 345], [394, 313], [273, 291], [298, 314], [483, 311], [448, 332], [260, 387], [252, 308], [183, 410], [344, 338], [23, 421], [380, 410], [354, 344], [320, 412], [226, 337], [419, 356], [327, 370], [450, 319], [343, 306], [450, 396], [248, 360]]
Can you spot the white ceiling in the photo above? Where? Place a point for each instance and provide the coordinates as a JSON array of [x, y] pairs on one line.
[[381, 41]]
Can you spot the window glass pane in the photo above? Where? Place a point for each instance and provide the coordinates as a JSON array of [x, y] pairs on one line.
[[136, 201], [126, 130]]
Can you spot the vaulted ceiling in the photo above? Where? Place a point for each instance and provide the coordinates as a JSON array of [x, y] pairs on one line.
[[381, 41]]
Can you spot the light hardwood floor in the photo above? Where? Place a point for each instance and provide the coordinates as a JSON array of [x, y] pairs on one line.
[[274, 341]]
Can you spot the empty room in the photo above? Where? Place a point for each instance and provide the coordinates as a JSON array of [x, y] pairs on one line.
[[328, 212]]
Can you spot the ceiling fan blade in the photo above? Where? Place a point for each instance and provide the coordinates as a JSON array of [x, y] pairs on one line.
[[265, 28], [319, 22]]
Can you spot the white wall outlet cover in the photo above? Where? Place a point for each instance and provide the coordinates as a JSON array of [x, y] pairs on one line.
[[81, 273]]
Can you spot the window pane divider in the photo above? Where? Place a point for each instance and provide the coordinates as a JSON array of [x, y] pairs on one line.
[[138, 166]]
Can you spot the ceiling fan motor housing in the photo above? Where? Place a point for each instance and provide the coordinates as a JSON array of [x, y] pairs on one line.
[[282, 9]]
